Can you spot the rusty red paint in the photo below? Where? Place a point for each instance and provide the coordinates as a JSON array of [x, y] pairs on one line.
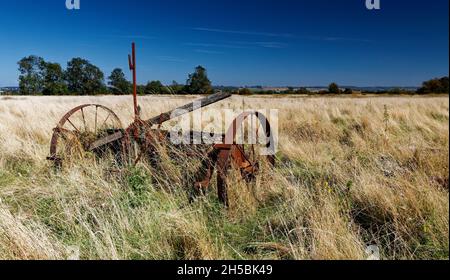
[[220, 158]]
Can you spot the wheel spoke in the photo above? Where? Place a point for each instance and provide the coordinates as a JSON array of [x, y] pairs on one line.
[[96, 116], [109, 114], [84, 120], [73, 125]]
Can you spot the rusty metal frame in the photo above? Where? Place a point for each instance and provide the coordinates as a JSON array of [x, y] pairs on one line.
[[220, 158]]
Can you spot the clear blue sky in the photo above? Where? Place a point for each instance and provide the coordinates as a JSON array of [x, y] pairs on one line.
[[282, 42]]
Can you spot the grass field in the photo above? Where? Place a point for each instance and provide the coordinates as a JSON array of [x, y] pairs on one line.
[[351, 172]]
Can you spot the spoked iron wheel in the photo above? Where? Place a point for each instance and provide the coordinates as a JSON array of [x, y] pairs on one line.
[[79, 129], [251, 151]]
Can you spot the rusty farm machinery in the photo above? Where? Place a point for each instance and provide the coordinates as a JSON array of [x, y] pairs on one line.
[[93, 130]]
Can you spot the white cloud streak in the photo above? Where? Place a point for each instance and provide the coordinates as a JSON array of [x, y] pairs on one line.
[[170, 59], [267, 34]]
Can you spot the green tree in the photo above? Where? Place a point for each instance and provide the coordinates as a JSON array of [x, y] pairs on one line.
[[396, 91], [31, 75], [198, 82], [176, 88], [303, 90], [155, 87], [118, 83], [140, 89], [333, 88], [84, 78], [348, 91], [444, 85], [53, 79], [245, 91], [435, 86]]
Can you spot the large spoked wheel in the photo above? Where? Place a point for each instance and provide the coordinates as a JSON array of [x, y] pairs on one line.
[[252, 151], [79, 129]]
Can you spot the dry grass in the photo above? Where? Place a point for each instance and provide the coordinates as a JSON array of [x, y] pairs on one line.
[[351, 173]]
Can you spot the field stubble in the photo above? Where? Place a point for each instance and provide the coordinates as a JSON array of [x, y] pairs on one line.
[[350, 173]]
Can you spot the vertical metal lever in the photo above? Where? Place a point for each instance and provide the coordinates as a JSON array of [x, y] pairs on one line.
[[132, 64]]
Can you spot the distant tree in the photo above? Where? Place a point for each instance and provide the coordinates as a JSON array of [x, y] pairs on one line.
[[140, 89], [348, 91], [290, 91], [444, 85], [228, 89], [155, 87], [84, 78], [395, 91], [174, 88], [118, 83], [31, 75], [435, 86], [53, 79], [245, 91], [198, 82], [333, 88], [303, 91]]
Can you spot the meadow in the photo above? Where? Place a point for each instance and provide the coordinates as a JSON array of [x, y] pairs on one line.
[[351, 173]]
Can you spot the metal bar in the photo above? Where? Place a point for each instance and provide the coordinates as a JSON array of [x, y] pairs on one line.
[[170, 115], [106, 140], [188, 108], [132, 62]]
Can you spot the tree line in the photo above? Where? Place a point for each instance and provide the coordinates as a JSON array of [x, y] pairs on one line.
[[434, 86], [81, 77]]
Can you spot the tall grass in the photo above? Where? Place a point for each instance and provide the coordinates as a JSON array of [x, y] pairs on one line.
[[351, 173]]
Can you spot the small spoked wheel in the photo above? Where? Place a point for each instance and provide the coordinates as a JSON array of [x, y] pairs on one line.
[[78, 131]]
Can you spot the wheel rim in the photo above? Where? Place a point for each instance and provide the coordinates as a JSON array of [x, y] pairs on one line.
[[79, 128]]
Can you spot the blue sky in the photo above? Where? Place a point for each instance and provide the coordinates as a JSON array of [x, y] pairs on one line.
[[282, 42]]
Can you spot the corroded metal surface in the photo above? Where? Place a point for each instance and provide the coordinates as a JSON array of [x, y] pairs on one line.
[[140, 140]]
